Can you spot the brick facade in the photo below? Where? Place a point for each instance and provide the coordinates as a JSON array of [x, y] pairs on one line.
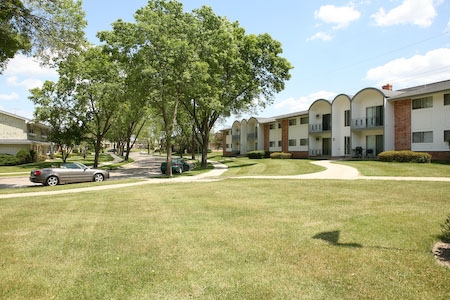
[[403, 125]]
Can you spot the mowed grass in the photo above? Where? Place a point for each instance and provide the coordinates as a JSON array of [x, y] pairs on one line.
[[244, 166], [231, 239], [378, 168]]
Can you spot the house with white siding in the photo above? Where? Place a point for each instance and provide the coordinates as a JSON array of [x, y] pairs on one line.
[[372, 121], [17, 133]]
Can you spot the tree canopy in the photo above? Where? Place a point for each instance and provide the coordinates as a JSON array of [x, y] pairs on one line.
[[199, 60], [49, 29]]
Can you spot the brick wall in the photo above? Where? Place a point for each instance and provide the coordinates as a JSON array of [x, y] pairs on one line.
[[224, 144], [403, 124], [440, 155]]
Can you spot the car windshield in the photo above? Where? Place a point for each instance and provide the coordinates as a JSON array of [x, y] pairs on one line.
[[73, 166]]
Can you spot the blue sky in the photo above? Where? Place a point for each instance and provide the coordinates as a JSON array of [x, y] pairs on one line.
[[335, 46]]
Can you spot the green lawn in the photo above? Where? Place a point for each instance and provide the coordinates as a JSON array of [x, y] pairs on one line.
[[243, 166], [231, 239], [378, 168]]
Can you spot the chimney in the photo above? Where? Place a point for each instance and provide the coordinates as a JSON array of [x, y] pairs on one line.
[[387, 86]]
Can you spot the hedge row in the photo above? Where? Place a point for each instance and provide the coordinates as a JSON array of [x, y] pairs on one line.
[[8, 160], [281, 155], [257, 154], [405, 156]]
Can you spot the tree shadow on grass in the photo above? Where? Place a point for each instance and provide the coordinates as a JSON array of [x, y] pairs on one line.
[[332, 237]]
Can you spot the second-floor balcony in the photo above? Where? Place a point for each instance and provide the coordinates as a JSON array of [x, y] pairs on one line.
[[319, 127], [235, 137], [252, 136], [369, 122]]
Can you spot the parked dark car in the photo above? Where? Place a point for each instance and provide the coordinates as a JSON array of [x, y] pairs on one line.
[[178, 166], [68, 173]]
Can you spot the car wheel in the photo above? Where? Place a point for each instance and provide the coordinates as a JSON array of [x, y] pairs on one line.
[[52, 181], [98, 177]]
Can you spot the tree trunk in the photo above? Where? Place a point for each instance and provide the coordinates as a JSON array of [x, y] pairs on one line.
[[205, 142], [98, 144], [169, 158]]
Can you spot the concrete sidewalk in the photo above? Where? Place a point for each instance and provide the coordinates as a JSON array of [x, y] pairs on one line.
[[343, 172], [333, 171]]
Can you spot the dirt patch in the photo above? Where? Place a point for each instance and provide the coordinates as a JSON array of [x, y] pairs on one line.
[[441, 252]]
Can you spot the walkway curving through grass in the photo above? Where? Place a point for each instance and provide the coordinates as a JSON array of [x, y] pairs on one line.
[[333, 171]]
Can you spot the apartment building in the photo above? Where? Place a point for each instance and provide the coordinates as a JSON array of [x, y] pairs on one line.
[[21, 133], [363, 125]]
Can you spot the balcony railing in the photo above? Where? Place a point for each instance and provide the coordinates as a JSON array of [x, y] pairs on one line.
[[319, 127], [315, 152], [252, 136], [361, 123]]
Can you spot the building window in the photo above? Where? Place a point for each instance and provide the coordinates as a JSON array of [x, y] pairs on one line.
[[422, 137], [446, 99], [292, 142], [347, 143], [303, 142], [279, 143], [279, 125], [424, 102], [304, 120], [447, 136], [272, 126], [292, 122], [374, 116], [271, 144], [347, 118]]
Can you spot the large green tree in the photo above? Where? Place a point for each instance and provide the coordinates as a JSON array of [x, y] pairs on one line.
[[50, 29], [66, 131], [158, 54], [88, 93], [234, 72]]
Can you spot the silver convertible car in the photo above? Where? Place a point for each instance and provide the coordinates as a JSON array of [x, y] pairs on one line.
[[67, 173]]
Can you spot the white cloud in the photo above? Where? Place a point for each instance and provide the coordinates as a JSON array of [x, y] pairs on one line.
[[10, 97], [417, 12], [303, 103], [321, 36], [341, 16], [419, 69], [26, 66], [28, 83]]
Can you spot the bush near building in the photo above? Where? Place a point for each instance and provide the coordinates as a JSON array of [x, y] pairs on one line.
[[405, 156], [281, 155], [257, 154]]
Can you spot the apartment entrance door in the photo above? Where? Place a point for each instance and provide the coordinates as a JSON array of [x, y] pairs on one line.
[[326, 146]]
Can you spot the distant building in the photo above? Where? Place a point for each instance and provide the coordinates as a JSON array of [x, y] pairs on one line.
[[372, 121], [21, 133]]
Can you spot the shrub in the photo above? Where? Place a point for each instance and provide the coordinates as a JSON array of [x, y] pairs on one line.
[[405, 156], [281, 155], [446, 230], [24, 156], [256, 154], [8, 160]]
